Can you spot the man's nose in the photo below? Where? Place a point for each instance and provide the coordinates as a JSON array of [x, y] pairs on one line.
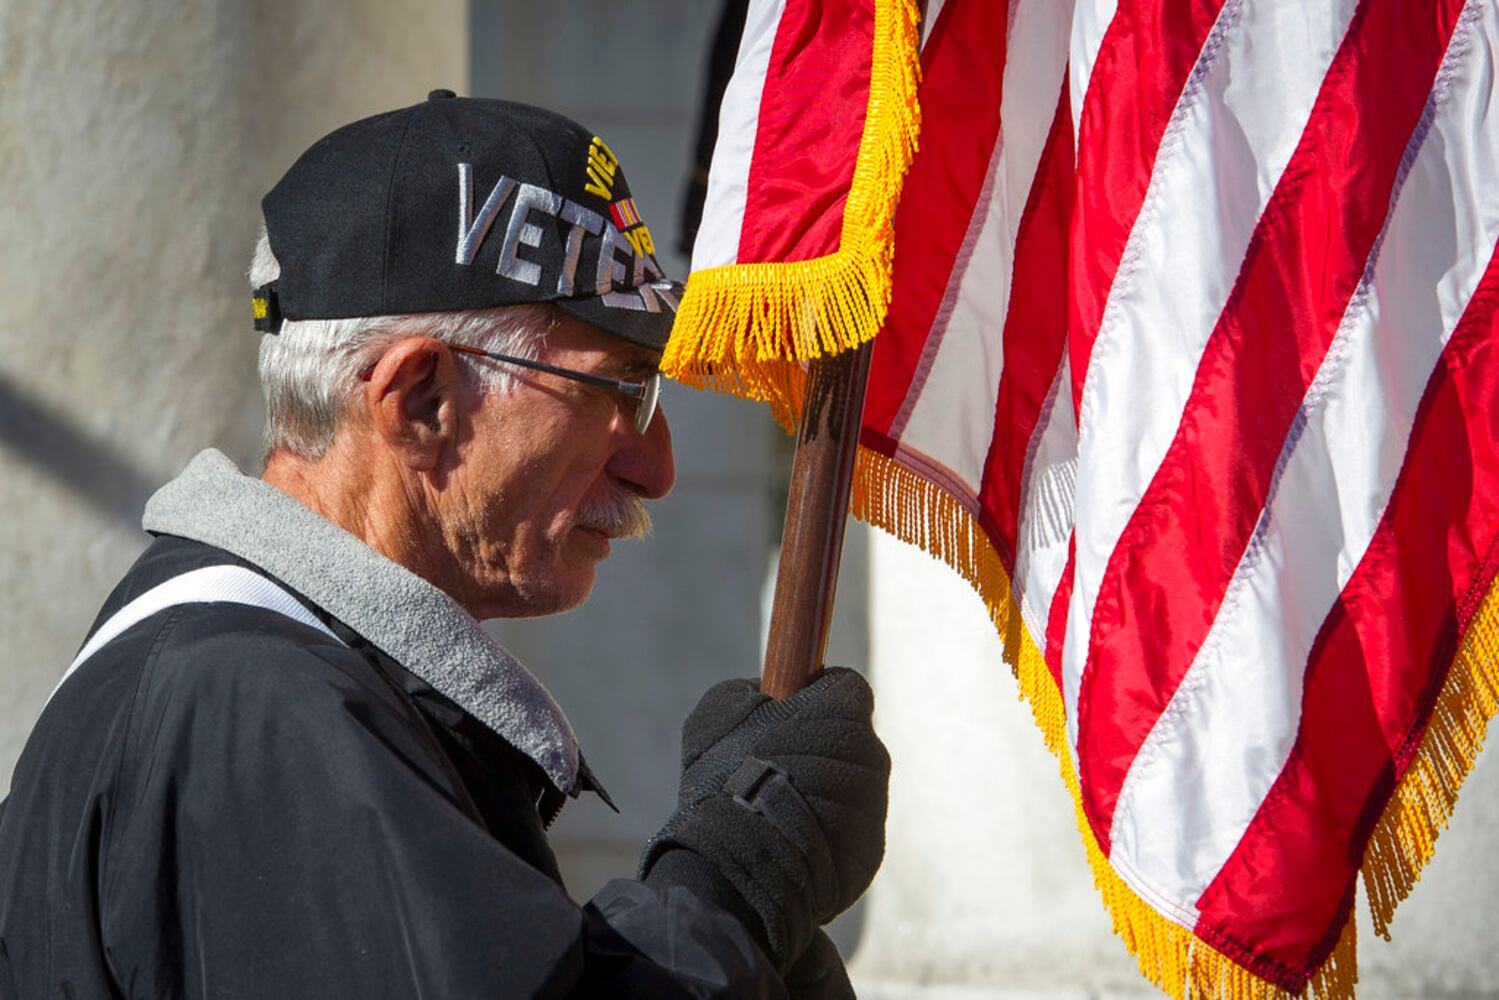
[[645, 462]]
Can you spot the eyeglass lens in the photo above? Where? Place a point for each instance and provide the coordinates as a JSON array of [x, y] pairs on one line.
[[645, 406]]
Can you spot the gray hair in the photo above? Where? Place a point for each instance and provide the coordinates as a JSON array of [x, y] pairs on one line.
[[309, 372]]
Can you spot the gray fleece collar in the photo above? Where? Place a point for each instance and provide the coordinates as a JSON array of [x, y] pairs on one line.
[[214, 503]]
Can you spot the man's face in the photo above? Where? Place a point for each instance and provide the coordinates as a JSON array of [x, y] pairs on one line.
[[550, 474]]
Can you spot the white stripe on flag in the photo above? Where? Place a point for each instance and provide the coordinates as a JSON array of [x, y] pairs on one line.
[[1089, 23], [1239, 120], [1047, 487], [955, 422], [1206, 767], [717, 242]]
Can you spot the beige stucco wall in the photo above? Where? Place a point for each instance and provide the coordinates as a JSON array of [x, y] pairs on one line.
[[135, 141]]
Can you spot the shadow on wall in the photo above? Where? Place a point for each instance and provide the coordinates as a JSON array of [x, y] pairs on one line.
[[50, 441]]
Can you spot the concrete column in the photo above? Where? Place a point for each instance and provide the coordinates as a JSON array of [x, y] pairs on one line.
[[985, 891], [135, 142]]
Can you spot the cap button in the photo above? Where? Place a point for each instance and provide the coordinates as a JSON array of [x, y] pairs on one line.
[[440, 94]]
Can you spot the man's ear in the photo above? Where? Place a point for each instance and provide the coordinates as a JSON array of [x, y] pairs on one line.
[[415, 400]]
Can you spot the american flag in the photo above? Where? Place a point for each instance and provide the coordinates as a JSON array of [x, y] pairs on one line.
[[1189, 367]]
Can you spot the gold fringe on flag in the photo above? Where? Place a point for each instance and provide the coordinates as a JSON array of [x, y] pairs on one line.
[[1405, 837], [749, 329], [890, 497]]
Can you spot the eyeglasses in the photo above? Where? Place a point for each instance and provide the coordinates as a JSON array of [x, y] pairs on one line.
[[645, 394]]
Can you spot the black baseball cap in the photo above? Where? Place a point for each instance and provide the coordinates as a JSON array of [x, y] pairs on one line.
[[463, 203]]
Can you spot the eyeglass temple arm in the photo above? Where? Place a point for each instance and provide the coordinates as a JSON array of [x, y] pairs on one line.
[[635, 389]]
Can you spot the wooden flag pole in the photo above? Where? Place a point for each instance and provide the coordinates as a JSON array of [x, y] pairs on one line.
[[816, 513]]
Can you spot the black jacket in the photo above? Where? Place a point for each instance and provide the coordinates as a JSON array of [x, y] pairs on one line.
[[224, 802]]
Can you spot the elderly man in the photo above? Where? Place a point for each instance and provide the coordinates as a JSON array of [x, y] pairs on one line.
[[287, 761]]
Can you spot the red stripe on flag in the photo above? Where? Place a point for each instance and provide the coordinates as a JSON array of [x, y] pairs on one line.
[[1146, 56], [962, 77], [1378, 664], [804, 155], [1056, 615], [1035, 332], [1166, 578]]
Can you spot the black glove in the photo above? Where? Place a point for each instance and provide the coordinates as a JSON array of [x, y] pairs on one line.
[[785, 802]]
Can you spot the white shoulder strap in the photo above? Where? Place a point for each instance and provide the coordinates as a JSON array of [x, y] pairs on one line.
[[211, 584]]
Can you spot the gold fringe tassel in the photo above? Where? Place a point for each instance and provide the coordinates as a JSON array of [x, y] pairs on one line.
[[888, 496], [748, 329], [1405, 837]]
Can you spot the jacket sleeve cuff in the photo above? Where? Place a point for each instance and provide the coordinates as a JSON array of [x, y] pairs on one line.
[[702, 878]]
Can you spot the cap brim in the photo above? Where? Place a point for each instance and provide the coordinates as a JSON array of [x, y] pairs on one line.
[[637, 322]]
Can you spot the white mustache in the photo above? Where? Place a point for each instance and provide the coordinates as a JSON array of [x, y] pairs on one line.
[[622, 515]]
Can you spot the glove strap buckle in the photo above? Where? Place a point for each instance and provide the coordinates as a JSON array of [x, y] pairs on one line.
[[754, 786], [748, 779]]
